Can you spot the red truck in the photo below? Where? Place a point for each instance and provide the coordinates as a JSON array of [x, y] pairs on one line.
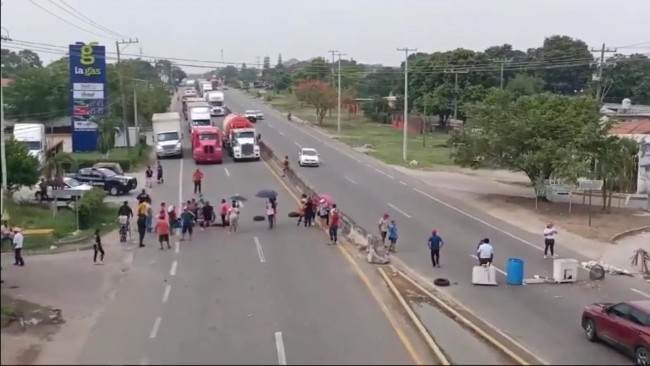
[[239, 138], [206, 145]]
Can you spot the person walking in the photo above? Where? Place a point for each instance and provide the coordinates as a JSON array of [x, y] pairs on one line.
[[208, 214], [149, 217], [187, 223], [159, 173], [549, 239], [334, 224], [142, 229], [383, 227], [233, 217], [163, 230], [323, 213], [18, 242], [485, 252], [434, 243], [392, 236], [197, 177], [309, 212], [270, 213], [224, 213], [98, 248], [148, 175], [285, 166]]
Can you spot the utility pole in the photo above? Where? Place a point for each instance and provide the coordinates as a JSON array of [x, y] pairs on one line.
[[3, 153], [456, 72], [406, 51], [121, 78], [502, 61], [338, 117], [333, 52], [601, 65], [258, 65]]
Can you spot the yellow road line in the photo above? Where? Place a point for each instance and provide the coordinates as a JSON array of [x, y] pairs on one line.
[[465, 321], [423, 331], [355, 266]]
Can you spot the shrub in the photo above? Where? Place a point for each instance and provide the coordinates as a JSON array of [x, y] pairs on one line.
[[88, 206]]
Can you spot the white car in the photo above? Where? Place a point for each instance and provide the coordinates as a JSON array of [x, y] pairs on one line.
[[251, 114], [308, 157], [68, 184]]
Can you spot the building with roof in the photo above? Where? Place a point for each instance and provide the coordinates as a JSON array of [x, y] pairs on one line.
[[638, 131]]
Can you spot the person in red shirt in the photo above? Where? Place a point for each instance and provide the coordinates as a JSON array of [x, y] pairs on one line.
[[334, 224], [197, 177], [225, 207], [162, 228]]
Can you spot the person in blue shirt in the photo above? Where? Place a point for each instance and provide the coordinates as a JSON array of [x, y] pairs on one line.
[[435, 243], [392, 235]]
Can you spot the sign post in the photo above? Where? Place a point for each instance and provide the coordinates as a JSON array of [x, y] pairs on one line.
[[590, 185], [87, 93]]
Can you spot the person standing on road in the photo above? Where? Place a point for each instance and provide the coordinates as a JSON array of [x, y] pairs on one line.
[[98, 248], [334, 224], [149, 217], [392, 236], [270, 213], [224, 213], [434, 243], [18, 242], [285, 166], [159, 171], [233, 217], [187, 223], [383, 227], [144, 196], [197, 177], [142, 226], [549, 239], [148, 174], [163, 230], [301, 208], [309, 212], [323, 214], [485, 252]]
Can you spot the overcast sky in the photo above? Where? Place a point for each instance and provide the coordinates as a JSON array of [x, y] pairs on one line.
[[366, 30]]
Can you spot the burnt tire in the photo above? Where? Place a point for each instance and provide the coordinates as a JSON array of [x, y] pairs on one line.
[[441, 282], [293, 214], [259, 218]]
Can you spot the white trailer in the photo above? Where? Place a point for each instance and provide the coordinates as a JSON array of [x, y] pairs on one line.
[[167, 134]]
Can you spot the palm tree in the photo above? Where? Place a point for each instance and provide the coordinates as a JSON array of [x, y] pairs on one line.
[[106, 130], [55, 166]]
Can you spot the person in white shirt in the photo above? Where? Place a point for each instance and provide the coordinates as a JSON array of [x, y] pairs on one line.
[[18, 247], [549, 239], [270, 212], [383, 227], [233, 217], [485, 252]]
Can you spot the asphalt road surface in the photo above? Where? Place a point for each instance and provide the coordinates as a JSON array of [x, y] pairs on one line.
[[545, 318], [259, 296]]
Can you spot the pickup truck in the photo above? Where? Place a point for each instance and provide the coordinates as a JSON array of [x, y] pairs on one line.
[[107, 179]]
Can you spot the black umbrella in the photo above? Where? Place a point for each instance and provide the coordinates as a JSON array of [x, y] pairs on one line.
[[238, 197], [267, 193]]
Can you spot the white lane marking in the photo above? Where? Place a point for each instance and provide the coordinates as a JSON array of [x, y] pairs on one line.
[[399, 210], [156, 326], [349, 179], [641, 293], [384, 173], [172, 271], [368, 165], [495, 268], [477, 219], [403, 183], [227, 172], [260, 252], [297, 144], [352, 157], [281, 133], [279, 345], [177, 247], [168, 288]]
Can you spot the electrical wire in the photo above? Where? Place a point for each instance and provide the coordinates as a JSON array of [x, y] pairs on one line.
[[80, 16], [66, 21], [97, 25]]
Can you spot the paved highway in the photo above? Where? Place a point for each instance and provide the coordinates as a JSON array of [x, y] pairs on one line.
[[254, 297], [544, 318]]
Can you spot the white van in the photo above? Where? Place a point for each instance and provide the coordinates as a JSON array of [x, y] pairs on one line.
[[33, 136]]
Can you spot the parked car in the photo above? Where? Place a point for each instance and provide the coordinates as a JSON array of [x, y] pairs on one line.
[[624, 325], [68, 184], [115, 167], [113, 183]]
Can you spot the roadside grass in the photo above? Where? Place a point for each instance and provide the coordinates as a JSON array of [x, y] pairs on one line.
[[7, 310], [386, 141], [37, 216]]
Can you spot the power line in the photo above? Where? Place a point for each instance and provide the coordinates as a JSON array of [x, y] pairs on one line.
[[78, 15], [65, 21]]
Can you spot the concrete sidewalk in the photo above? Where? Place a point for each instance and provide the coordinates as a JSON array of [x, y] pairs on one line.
[[69, 282]]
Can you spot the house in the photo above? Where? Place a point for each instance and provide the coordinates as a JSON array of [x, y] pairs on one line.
[[638, 131]]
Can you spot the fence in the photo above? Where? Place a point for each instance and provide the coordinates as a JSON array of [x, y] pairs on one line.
[[347, 227]]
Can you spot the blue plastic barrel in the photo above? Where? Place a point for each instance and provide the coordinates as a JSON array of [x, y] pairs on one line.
[[515, 272]]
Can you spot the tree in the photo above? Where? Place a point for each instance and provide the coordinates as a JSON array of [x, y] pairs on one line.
[[563, 63], [106, 129], [533, 134], [14, 62], [317, 94], [230, 74], [440, 102], [523, 84], [382, 82], [316, 69], [38, 93], [55, 166], [628, 78], [22, 169], [178, 75]]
